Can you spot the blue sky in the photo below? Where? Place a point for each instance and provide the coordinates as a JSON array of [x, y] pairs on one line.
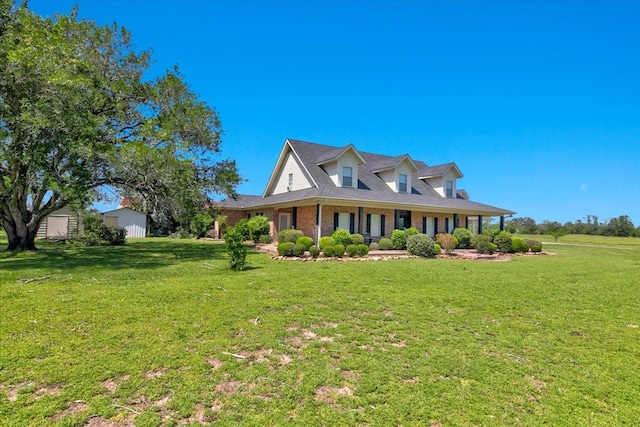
[[538, 103]]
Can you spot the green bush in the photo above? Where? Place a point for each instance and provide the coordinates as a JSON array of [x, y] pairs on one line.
[[518, 245], [298, 250], [447, 242], [326, 241], [258, 227], [342, 236], [399, 239], [492, 247], [286, 248], [305, 241], [534, 245], [363, 249], [328, 251], [385, 244], [200, 224], [96, 233], [180, 233], [504, 241], [236, 250], [289, 235], [352, 250], [420, 245], [357, 239], [338, 250], [482, 243], [242, 227], [266, 239], [373, 246], [411, 231], [464, 238], [436, 249], [314, 251]]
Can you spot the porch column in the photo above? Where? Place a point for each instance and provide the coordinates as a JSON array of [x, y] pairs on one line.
[[318, 230], [294, 217], [502, 223], [360, 216], [466, 222], [479, 224]]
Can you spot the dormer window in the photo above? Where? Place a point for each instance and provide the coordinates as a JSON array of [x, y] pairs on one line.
[[449, 189], [402, 183], [347, 176], [290, 185]]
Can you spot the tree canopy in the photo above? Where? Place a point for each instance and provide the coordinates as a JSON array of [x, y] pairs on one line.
[[79, 113]]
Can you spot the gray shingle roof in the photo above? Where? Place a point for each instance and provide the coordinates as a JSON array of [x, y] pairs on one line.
[[371, 188]]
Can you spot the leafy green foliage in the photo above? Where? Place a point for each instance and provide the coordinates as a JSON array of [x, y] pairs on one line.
[[305, 241], [518, 245], [534, 245], [463, 236], [96, 233], [357, 239], [78, 113], [325, 242], [398, 239], [242, 227], [258, 227], [436, 249], [289, 235], [200, 224], [342, 236], [298, 250], [420, 245], [482, 243], [266, 239], [236, 251], [373, 246], [286, 248], [503, 241], [385, 244], [352, 250], [338, 250], [314, 251], [362, 250]]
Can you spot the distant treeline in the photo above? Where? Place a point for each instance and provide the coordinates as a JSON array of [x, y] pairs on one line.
[[590, 224]]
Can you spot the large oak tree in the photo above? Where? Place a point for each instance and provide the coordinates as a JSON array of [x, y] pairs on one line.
[[79, 113]]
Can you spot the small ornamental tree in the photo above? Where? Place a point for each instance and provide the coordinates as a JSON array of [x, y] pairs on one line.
[[200, 224], [236, 250]]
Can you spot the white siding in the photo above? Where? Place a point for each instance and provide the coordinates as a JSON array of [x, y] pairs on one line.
[[450, 176], [334, 169], [133, 221], [291, 166], [439, 183], [406, 169]]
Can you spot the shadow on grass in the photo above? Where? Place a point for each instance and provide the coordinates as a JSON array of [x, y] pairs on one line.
[[143, 253]]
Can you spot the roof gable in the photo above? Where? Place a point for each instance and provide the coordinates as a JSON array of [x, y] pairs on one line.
[[439, 170], [393, 163], [332, 156]]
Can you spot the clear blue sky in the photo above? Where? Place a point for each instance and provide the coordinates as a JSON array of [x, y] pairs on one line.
[[538, 103]]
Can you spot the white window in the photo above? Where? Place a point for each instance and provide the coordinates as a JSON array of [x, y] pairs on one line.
[[430, 226], [344, 220], [290, 185], [402, 183], [375, 225], [449, 189], [284, 221], [347, 176]]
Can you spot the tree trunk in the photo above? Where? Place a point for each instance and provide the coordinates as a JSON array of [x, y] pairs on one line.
[[21, 238]]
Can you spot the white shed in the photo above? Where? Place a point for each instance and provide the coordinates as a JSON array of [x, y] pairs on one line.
[[58, 224], [133, 221]]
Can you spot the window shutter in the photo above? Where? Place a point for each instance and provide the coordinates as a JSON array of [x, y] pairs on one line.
[[424, 225], [352, 223], [368, 223], [382, 233], [335, 220], [446, 225], [435, 226]]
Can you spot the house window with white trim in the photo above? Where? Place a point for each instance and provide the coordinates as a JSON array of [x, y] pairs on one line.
[[347, 176], [290, 185], [344, 219], [402, 183], [449, 189], [284, 221]]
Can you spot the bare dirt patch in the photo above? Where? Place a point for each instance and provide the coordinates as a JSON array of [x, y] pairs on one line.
[[229, 387], [73, 408], [112, 384], [102, 422], [538, 384], [330, 395], [155, 374], [215, 363]]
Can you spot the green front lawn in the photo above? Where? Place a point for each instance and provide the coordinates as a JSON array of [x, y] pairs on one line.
[[159, 332]]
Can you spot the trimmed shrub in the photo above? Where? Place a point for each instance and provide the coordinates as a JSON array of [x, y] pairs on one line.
[[464, 238], [180, 233], [492, 247], [518, 245], [373, 246], [481, 242], [362, 249], [385, 244], [411, 231], [338, 250], [326, 241], [447, 242], [242, 227], [258, 227], [236, 250], [352, 250], [399, 239], [266, 239], [286, 248], [200, 224], [420, 245], [298, 250], [342, 236], [504, 241], [436, 249], [289, 235], [357, 239], [314, 251], [534, 245], [305, 241]]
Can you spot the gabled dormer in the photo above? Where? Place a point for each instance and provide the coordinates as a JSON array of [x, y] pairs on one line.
[[342, 166], [396, 172], [289, 174], [442, 178]]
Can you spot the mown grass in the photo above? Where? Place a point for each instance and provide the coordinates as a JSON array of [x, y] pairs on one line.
[[146, 334]]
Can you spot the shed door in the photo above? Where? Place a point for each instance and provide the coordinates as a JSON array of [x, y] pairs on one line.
[[57, 227]]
